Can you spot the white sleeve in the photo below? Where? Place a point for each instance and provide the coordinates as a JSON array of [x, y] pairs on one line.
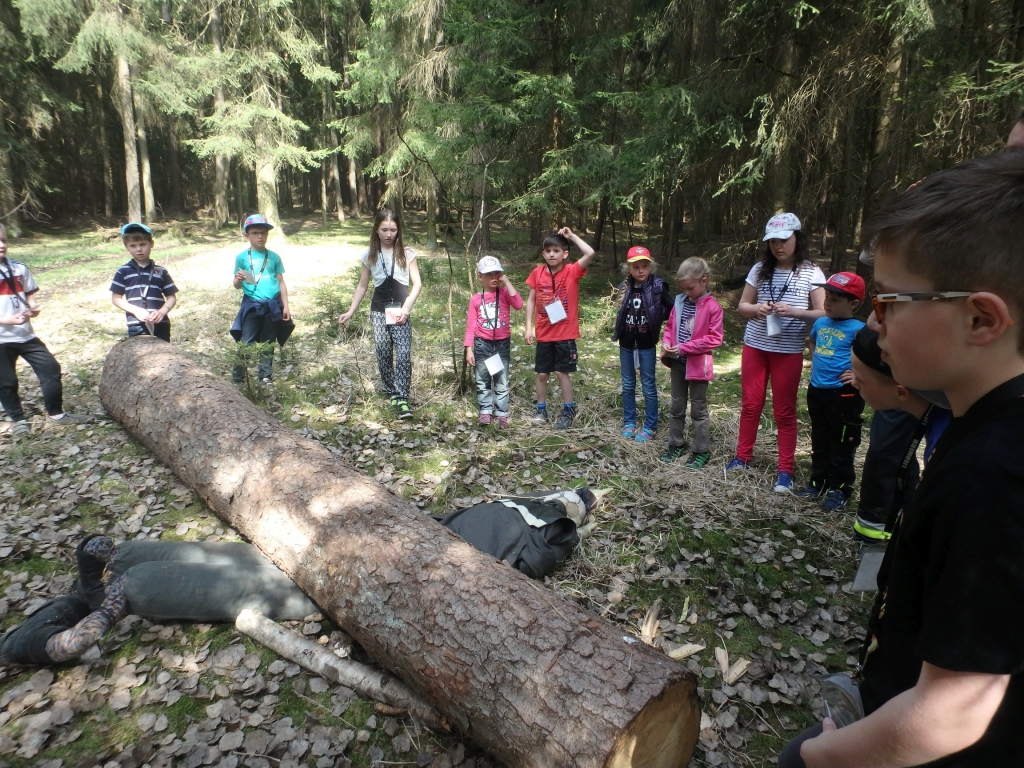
[[28, 283], [817, 276], [410, 254], [752, 275]]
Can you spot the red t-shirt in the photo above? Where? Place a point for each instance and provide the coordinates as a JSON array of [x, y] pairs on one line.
[[565, 285]]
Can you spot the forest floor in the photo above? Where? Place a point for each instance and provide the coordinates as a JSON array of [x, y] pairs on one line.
[[737, 568]]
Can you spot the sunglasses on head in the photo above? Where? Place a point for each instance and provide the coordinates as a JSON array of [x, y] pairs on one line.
[[881, 301]]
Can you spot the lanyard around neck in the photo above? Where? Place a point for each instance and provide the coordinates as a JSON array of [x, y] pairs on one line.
[[785, 287], [8, 278], [266, 260], [139, 271]]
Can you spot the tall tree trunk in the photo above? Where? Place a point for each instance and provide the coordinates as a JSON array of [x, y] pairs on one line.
[[108, 172], [602, 215], [879, 175], [266, 190], [147, 172], [221, 162], [9, 215], [431, 217], [531, 676], [123, 102], [324, 173], [177, 200]]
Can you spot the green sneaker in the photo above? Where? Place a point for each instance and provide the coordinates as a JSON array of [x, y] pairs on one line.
[[673, 453], [697, 460], [403, 409]]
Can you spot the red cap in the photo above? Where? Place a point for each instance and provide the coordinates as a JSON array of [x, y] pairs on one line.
[[638, 253], [845, 282]]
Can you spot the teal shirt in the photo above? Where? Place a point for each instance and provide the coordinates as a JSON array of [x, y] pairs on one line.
[[265, 269]]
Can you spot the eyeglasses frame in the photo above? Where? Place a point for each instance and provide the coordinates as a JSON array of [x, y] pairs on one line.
[[880, 300]]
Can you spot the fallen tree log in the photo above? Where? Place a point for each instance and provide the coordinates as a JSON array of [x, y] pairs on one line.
[[533, 678]]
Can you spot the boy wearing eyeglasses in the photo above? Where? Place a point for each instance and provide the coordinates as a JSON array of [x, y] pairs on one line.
[[943, 674]]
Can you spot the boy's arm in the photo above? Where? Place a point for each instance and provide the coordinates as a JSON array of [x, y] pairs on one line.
[[531, 306], [159, 315], [119, 301], [285, 312], [586, 252], [944, 713]]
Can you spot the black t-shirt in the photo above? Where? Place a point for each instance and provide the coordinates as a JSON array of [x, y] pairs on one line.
[[951, 588], [636, 332]]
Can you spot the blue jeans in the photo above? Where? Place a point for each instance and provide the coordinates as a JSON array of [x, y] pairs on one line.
[[648, 360], [491, 401]]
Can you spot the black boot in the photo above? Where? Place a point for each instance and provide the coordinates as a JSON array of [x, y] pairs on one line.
[[26, 643], [89, 583]]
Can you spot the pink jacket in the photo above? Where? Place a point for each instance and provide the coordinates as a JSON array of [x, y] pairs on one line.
[[708, 330]]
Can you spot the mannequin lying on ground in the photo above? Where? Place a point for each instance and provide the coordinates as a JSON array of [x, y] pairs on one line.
[[196, 581]]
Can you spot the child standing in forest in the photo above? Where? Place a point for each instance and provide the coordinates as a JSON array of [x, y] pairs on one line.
[[780, 300], [553, 308], [695, 327], [645, 303], [263, 316], [18, 304], [488, 339], [396, 286], [141, 288], [834, 404]]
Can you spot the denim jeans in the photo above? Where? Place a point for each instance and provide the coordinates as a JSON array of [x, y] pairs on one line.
[[494, 401], [648, 360]]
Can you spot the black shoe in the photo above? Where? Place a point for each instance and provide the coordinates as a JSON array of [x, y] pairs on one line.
[[673, 453], [403, 410], [26, 643], [89, 583], [835, 501], [565, 418]]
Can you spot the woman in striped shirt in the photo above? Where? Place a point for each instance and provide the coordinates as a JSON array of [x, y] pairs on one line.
[[780, 302]]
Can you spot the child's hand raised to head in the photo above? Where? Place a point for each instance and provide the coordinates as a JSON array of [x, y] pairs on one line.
[[470, 357], [568, 233]]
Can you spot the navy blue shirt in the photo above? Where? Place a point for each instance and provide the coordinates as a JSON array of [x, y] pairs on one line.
[[144, 287]]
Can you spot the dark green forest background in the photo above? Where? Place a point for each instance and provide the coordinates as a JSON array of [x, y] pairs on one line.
[[690, 121]]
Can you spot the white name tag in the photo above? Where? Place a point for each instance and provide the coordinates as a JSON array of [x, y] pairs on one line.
[[774, 325], [248, 277], [555, 312], [495, 365], [391, 315]]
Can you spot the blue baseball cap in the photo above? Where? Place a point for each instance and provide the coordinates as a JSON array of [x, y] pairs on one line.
[[134, 226], [256, 220]]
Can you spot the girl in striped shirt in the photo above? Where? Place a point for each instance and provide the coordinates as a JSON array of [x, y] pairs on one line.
[[780, 302]]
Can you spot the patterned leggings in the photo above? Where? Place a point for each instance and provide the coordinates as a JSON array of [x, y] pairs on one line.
[[394, 354], [72, 643]]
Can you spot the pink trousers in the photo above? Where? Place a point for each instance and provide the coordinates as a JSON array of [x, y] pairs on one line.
[[783, 369]]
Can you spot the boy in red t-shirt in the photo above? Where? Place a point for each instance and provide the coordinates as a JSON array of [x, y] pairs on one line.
[[553, 308]]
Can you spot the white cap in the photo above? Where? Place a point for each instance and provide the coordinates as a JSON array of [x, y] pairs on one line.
[[780, 227], [488, 264]]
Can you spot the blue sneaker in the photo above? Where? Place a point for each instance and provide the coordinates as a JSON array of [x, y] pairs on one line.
[[628, 431], [784, 482], [835, 501], [736, 463], [644, 435]]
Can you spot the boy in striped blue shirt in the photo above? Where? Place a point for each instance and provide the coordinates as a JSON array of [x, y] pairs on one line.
[[142, 288]]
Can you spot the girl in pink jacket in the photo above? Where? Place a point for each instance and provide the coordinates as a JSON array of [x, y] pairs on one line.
[[693, 330]]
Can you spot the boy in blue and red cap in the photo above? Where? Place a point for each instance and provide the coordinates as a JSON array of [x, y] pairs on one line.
[[833, 403], [264, 315]]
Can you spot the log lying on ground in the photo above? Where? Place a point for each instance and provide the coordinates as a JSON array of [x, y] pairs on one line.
[[362, 679], [531, 677]]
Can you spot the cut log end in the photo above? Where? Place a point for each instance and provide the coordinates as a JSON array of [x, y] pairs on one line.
[[664, 734]]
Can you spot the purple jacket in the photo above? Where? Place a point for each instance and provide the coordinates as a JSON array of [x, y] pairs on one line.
[[708, 330]]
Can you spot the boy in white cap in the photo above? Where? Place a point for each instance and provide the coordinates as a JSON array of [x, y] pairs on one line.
[[488, 339]]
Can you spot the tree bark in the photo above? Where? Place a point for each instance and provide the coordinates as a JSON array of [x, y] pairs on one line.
[[108, 174], [9, 215], [266, 189], [123, 101], [221, 163], [530, 676], [149, 202]]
